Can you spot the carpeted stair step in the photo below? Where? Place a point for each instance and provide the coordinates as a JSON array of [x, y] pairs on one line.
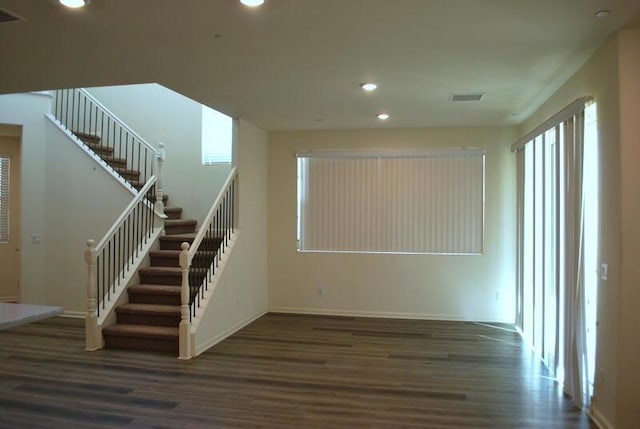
[[129, 175], [115, 162], [179, 226], [171, 258], [102, 151], [160, 275], [173, 212], [154, 294], [139, 337], [148, 314], [174, 242], [87, 138], [164, 275]]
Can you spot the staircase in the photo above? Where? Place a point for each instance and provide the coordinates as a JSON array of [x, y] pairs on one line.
[[149, 321]]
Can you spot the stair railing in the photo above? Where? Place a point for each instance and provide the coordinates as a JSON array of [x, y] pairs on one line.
[[199, 261], [111, 261], [81, 114]]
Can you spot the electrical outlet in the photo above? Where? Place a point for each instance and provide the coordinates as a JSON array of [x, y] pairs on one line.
[[604, 271], [320, 289]]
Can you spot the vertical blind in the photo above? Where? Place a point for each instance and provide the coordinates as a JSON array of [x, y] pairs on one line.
[[552, 275], [419, 202], [4, 199]]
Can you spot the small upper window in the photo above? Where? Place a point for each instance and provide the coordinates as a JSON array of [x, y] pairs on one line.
[[217, 132]]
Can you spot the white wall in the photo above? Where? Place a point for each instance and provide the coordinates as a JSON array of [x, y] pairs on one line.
[[159, 114], [82, 201], [599, 78], [241, 295], [628, 410], [480, 288], [66, 199]]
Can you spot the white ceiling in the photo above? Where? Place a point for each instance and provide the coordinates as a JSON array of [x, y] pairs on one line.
[[290, 63]]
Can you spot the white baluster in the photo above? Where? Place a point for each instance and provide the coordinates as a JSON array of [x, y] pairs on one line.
[[93, 335], [185, 324], [160, 158]]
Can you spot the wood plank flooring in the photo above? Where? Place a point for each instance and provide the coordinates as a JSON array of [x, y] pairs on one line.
[[285, 371]]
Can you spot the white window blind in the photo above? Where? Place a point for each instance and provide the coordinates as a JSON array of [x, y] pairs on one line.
[[4, 200], [398, 202]]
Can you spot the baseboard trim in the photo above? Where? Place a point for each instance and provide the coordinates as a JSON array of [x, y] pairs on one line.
[[74, 314], [201, 348], [382, 314], [600, 420], [11, 299]]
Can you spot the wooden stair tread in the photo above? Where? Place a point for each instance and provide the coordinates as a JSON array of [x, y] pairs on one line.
[[147, 309], [142, 331], [173, 209], [151, 289]]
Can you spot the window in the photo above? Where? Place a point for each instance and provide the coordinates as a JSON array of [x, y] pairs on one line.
[[217, 132], [4, 200], [391, 202]]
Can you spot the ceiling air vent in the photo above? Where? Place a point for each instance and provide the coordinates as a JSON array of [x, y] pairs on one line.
[[8, 17], [465, 97]]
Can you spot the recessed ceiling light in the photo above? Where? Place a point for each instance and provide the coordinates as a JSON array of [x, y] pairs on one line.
[[74, 4], [603, 13], [369, 86], [252, 3], [383, 116]]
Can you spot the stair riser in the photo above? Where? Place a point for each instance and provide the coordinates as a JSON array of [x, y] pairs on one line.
[[116, 163], [174, 261], [179, 229], [154, 299], [146, 344], [160, 279], [173, 215], [130, 175], [147, 319], [102, 151], [175, 244], [171, 244]]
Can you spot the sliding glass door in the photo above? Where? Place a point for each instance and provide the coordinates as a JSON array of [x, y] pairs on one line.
[[557, 238]]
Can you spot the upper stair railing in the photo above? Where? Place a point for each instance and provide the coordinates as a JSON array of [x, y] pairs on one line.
[[200, 260], [103, 132]]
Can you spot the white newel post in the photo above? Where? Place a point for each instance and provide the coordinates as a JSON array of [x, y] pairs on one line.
[[93, 336], [185, 324], [160, 158]]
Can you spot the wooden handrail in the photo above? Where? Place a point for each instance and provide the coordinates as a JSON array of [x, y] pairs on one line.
[[141, 194], [207, 220], [118, 120]]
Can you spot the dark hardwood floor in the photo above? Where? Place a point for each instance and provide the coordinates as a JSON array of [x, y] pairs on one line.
[[285, 371]]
